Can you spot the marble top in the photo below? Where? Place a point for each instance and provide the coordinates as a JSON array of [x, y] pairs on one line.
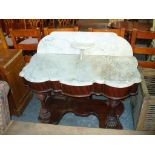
[[93, 43], [69, 69], [107, 59]]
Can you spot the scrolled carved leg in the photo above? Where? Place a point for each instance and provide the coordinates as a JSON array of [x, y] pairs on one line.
[[115, 111], [44, 114]]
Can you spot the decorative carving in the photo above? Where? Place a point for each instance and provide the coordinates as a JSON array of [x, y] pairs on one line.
[[106, 112]]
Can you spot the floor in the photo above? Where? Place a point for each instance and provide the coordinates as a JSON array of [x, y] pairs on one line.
[[29, 128], [32, 110]]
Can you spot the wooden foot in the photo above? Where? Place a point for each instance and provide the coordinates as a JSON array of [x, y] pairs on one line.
[[115, 111], [44, 115]]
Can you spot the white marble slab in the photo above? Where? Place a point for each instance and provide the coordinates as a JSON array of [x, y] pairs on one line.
[[97, 43], [83, 58], [115, 71]]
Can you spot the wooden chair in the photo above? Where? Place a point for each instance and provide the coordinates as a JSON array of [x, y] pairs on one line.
[[66, 22], [119, 32], [8, 24], [47, 31], [51, 23], [145, 35], [26, 39], [34, 23], [3, 43]]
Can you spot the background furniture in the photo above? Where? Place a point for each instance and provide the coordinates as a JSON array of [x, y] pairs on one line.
[[84, 24], [11, 63], [148, 50], [132, 24], [66, 22], [27, 40], [49, 30], [129, 25], [119, 32], [3, 43], [33, 23], [4, 107], [50, 23], [8, 24]]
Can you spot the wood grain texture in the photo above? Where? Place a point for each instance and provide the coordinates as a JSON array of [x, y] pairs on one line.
[[3, 43], [130, 25], [66, 22], [11, 64], [47, 31], [83, 107], [146, 35], [119, 32], [83, 91], [18, 35]]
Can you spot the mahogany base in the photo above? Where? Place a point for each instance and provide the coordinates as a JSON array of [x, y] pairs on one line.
[[107, 111]]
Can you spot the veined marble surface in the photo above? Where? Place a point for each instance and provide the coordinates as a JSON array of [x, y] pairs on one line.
[[83, 58], [115, 71], [94, 43]]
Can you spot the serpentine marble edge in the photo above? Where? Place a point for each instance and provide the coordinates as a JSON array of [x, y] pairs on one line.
[[55, 63]]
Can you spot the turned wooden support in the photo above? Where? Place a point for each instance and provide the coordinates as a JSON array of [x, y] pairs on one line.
[[44, 114]]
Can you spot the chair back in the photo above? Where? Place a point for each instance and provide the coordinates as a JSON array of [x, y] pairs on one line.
[[149, 51], [8, 24], [3, 43], [51, 23], [119, 32], [47, 31], [66, 22], [19, 35], [34, 23]]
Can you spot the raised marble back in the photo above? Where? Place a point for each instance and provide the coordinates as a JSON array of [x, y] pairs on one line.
[[96, 43]]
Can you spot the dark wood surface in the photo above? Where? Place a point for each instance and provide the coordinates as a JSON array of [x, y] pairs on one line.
[[3, 43], [84, 24], [58, 99], [11, 63], [47, 31], [130, 25], [119, 32], [28, 48], [83, 91], [58, 106]]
